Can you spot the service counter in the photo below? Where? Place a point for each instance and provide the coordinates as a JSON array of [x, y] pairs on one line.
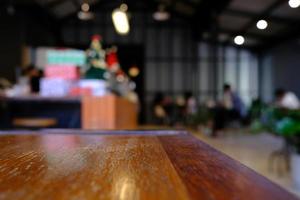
[[107, 112]]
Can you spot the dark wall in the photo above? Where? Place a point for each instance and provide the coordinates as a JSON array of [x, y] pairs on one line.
[[18, 31], [286, 66], [10, 46]]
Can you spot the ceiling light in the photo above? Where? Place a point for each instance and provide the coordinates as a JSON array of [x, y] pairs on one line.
[[85, 7], [161, 14], [262, 24], [120, 21], [294, 3], [239, 40]]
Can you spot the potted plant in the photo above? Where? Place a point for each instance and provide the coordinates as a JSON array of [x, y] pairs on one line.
[[286, 123]]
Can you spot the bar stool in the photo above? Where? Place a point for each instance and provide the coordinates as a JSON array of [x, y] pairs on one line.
[[34, 123]]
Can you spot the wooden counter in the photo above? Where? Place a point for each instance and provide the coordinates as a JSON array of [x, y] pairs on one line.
[[92, 113], [66, 164], [108, 112]]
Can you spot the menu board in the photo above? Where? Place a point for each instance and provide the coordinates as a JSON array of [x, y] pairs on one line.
[[68, 56], [45, 56]]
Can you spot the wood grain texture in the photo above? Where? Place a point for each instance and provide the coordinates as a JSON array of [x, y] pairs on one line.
[[208, 173], [108, 112], [123, 165]]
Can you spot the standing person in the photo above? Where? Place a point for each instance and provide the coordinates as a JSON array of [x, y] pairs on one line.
[[286, 99]]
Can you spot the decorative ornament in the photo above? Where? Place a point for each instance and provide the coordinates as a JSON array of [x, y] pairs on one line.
[[97, 66]]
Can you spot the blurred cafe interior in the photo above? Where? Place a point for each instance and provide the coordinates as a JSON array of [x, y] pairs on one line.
[[225, 71]]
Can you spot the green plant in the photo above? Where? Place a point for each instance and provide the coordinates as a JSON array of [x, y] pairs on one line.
[[284, 123]]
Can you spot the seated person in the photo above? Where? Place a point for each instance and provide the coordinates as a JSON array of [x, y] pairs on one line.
[[158, 108], [231, 108], [34, 75], [287, 100]]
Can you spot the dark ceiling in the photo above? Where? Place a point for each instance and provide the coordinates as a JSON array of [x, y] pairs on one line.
[[240, 18], [211, 19]]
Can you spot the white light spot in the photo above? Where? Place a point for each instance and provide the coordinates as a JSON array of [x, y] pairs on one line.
[[262, 24], [239, 40], [294, 3]]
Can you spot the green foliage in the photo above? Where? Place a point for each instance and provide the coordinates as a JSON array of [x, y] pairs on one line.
[[287, 127], [281, 122], [202, 116]]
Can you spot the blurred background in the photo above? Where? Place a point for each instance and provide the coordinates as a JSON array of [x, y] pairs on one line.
[[225, 69]]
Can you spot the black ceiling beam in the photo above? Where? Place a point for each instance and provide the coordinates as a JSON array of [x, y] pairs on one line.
[[51, 4], [233, 33], [76, 3], [206, 17], [108, 5], [177, 3], [265, 40], [229, 43], [240, 13], [263, 15], [48, 7], [291, 34], [36, 14]]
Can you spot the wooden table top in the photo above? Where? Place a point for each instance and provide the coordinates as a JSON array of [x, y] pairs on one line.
[[123, 165]]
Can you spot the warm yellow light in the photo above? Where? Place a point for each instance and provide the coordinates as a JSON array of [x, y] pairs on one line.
[[134, 71], [120, 21]]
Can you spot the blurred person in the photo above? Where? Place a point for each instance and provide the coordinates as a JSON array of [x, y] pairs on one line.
[[179, 114], [286, 99], [191, 104], [34, 75], [4, 86], [233, 102], [191, 109], [168, 106], [231, 108], [159, 112]]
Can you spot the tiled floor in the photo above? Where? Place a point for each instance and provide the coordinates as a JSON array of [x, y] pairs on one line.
[[253, 151]]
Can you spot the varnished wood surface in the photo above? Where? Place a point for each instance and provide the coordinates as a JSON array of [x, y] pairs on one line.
[[70, 164], [108, 112]]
